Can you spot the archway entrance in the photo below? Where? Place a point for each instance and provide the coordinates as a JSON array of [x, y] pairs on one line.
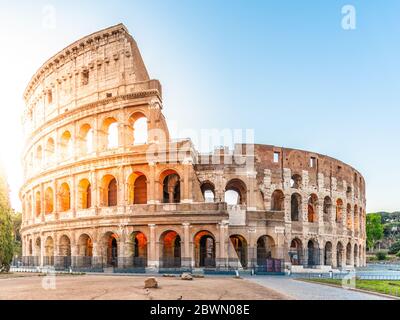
[[296, 252], [85, 251], [204, 244], [312, 253], [240, 245], [111, 243], [171, 250], [139, 250], [265, 246], [339, 255], [328, 254], [64, 252]]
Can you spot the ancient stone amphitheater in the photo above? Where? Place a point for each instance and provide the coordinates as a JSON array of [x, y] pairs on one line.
[[106, 187]]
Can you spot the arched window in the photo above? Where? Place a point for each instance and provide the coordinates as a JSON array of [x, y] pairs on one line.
[[65, 197], [171, 187], [85, 139], [208, 191], [295, 207], [170, 249], [327, 209], [348, 217], [356, 220], [313, 208], [109, 194], [137, 188], [295, 182], [278, 201], [112, 193], [50, 148], [138, 122], [339, 210], [235, 192], [49, 201], [66, 145], [84, 194], [38, 207], [204, 244]]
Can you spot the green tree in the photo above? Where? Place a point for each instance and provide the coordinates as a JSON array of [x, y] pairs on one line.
[[6, 227], [16, 219], [374, 229]]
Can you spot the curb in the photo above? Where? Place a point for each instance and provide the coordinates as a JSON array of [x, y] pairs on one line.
[[352, 289]]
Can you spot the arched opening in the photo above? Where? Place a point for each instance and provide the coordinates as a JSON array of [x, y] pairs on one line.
[[327, 209], [278, 201], [50, 149], [38, 204], [356, 261], [296, 252], [85, 139], [64, 197], [109, 192], [208, 191], [84, 194], [204, 247], [29, 207], [66, 146], [39, 156], [85, 251], [137, 188], [339, 255], [295, 182], [138, 122], [171, 186], [356, 221], [64, 252], [348, 254], [49, 201], [339, 210], [139, 249], [295, 211], [49, 252], [328, 254], [30, 249], [312, 253], [313, 208], [265, 246], [110, 133], [240, 245], [348, 217], [170, 249], [236, 192], [111, 246], [38, 249]]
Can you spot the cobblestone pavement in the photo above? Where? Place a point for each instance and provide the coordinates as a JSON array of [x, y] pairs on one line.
[[300, 290]]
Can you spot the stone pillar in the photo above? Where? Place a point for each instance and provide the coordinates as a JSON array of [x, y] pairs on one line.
[[55, 202], [152, 262], [74, 255], [93, 182], [97, 259], [221, 260], [152, 187], [42, 250], [74, 196], [187, 258]]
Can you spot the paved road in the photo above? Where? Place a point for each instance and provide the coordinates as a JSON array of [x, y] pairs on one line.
[[300, 290]]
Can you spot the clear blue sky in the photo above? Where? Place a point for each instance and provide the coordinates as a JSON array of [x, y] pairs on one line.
[[287, 69]]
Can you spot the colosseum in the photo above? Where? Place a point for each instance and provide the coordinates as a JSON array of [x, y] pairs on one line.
[[106, 188]]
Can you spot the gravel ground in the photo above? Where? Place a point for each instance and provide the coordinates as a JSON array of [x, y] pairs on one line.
[[91, 287]]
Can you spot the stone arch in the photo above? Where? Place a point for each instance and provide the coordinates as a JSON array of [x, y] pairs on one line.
[[313, 254], [339, 254], [204, 249], [296, 181], [170, 249], [240, 245], [85, 250], [139, 127], [49, 252], [339, 210], [49, 201], [348, 217], [236, 189], [30, 247], [84, 194], [64, 197], [139, 249], [348, 254], [66, 145], [50, 150], [356, 260], [38, 246], [312, 208], [171, 186], [110, 248], [296, 252], [265, 249], [327, 209], [109, 191], [278, 201], [85, 139], [295, 206], [38, 204], [137, 188], [208, 191], [109, 136], [328, 254]]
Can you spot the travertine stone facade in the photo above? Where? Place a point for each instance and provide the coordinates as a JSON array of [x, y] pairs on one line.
[[95, 192]]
